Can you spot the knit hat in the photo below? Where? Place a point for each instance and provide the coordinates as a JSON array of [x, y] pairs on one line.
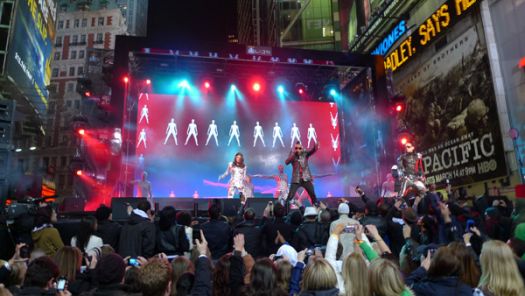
[[110, 269], [343, 209], [519, 232], [289, 252]]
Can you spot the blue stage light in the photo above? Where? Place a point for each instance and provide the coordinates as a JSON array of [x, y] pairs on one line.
[[233, 87], [333, 92], [184, 84]]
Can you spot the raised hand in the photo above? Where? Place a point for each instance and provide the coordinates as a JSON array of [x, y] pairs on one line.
[[202, 246]]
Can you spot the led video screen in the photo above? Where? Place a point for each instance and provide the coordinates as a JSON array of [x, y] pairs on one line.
[[184, 143]]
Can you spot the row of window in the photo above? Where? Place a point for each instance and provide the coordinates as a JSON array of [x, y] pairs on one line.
[[83, 23], [79, 72], [72, 55], [78, 39]]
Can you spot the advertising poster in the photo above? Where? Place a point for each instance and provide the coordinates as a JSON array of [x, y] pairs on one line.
[[30, 50]]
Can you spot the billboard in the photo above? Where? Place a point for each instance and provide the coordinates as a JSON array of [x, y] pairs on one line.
[[451, 108], [28, 62]]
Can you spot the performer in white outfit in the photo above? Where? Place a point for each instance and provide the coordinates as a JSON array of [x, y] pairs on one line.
[[144, 188], [281, 188], [192, 131], [142, 138], [335, 142], [144, 114], [258, 134], [171, 130], [237, 171], [312, 135], [277, 133], [212, 132], [234, 132], [144, 94], [333, 119], [296, 134]]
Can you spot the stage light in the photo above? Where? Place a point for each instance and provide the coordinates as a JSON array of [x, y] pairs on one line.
[[280, 89], [404, 140], [333, 92], [81, 131], [207, 84], [256, 86], [399, 107], [18, 150], [233, 87], [184, 84], [79, 172], [87, 94], [32, 148], [126, 79], [301, 91], [148, 82]]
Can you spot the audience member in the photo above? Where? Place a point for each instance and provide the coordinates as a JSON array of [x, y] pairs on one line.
[[155, 278], [110, 272], [45, 236], [251, 231], [319, 279], [137, 237], [40, 277], [171, 238], [180, 266], [346, 238], [310, 233], [85, 239], [218, 233], [107, 230], [386, 280], [272, 226]]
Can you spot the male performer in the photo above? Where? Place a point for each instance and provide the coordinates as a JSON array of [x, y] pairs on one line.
[[144, 188], [234, 132], [410, 166], [171, 130], [258, 134], [144, 114], [212, 132], [192, 131], [301, 176], [296, 135], [277, 133], [312, 135]]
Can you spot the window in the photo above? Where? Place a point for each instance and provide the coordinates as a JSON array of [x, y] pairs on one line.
[[71, 71], [61, 24], [80, 71], [81, 54], [70, 88], [73, 54], [100, 21], [84, 22], [68, 102], [77, 104], [63, 161], [55, 72], [75, 39], [77, 23], [58, 41], [61, 181], [99, 37], [56, 57], [83, 39], [67, 24]]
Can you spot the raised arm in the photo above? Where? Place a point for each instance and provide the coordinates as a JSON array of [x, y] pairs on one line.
[[313, 150], [290, 158], [226, 172]]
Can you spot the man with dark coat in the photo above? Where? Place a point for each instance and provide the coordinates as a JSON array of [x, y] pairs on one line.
[[270, 228], [310, 233], [137, 237], [218, 233], [251, 231], [107, 230]]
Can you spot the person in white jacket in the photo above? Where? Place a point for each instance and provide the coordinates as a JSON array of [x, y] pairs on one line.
[[85, 239]]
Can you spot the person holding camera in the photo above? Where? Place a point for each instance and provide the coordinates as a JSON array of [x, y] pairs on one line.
[[346, 238]]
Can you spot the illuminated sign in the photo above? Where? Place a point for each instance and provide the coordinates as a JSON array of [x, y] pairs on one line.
[[445, 16], [391, 38]]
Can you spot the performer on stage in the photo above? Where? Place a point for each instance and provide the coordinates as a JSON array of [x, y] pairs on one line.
[[144, 188], [281, 190], [237, 171], [301, 176], [410, 166]]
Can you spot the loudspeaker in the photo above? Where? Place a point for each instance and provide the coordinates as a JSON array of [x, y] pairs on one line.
[[119, 207], [230, 207], [259, 204], [72, 204], [180, 204]]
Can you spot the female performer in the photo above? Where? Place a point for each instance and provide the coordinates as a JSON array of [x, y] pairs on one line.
[[237, 170]]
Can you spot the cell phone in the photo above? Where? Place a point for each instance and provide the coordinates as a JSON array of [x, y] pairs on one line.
[[470, 224], [309, 252], [275, 258], [133, 262], [349, 229], [432, 252], [171, 257], [61, 284], [24, 252]]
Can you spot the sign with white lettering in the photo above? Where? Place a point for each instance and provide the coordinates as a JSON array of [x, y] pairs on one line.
[[391, 38]]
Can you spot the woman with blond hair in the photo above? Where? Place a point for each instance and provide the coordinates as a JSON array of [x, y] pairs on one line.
[[355, 275], [499, 271], [319, 279], [385, 279]]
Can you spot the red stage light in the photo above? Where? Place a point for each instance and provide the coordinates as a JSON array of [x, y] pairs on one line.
[[81, 131], [148, 82], [126, 79], [79, 172], [404, 140], [207, 84], [256, 86], [399, 107], [87, 94], [301, 91]]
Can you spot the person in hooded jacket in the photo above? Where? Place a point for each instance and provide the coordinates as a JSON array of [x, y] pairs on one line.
[[137, 237]]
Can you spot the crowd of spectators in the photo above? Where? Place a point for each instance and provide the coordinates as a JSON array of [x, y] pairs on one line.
[[421, 245]]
